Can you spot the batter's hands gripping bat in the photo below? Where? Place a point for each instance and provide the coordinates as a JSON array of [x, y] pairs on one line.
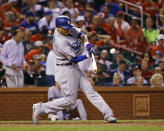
[[94, 65]]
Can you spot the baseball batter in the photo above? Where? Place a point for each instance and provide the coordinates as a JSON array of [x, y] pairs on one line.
[[68, 49]]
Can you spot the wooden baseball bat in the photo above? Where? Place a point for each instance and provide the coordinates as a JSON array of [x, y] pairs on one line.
[[94, 65]]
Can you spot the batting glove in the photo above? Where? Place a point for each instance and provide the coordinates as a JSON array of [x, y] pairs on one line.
[[90, 48]]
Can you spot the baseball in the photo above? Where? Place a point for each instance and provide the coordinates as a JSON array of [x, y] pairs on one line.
[[113, 51]]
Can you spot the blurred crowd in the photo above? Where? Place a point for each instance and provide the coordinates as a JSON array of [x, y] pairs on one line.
[[139, 56]]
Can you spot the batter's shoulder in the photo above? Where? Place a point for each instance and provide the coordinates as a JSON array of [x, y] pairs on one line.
[[62, 42]]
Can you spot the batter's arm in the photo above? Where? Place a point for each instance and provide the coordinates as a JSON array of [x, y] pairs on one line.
[[79, 58]]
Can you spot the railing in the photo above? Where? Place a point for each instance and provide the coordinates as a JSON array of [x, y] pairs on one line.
[[136, 6], [126, 3]]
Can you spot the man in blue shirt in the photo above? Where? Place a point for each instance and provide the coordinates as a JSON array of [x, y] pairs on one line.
[[30, 23], [112, 6]]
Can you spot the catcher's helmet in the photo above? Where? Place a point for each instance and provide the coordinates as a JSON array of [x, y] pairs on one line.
[[63, 22]]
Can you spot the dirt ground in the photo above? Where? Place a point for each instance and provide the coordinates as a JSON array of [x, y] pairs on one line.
[[20, 124]]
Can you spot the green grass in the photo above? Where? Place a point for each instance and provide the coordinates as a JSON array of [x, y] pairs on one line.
[[92, 125], [83, 128]]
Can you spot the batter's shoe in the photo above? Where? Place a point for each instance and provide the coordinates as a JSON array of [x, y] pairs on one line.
[[36, 112], [111, 120]]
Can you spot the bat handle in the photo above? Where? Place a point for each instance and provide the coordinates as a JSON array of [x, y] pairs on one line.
[[94, 65]]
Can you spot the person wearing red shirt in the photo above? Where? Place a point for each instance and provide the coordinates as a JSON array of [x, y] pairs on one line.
[[134, 36], [93, 39], [146, 70], [98, 25], [150, 8], [160, 46], [10, 6], [41, 36], [112, 31], [122, 26], [9, 20], [37, 51]]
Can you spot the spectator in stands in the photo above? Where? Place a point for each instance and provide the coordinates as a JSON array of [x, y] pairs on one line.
[[29, 74], [47, 21], [88, 18], [34, 72], [134, 36], [112, 30], [160, 46], [33, 6], [158, 70], [52, 5], [9, 21], [99, 40], [3, 34], [30, 23], [119, 57], [161, 12], [12, 57], [104, 60], [41, 35], [36, 51], [125, 74], [136, 79], [116, 80], [112, 6], [157, 57], [80, 22], [150, 8], [98, 25], [10, 6], [161, 65], [69, 6], [146, 70], [105, 13], [150, 34], [38, 69], [122, 26], [89, 8], [28, 45], [101, 77], [147, 57], [139, 81], [157, 80]]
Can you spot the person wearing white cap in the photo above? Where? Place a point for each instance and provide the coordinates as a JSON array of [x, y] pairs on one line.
[[80, 21], [36, 51], [160, 46]]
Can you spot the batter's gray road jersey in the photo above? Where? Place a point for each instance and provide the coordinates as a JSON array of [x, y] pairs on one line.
[[53, 92], [74, 31], [67, 47]]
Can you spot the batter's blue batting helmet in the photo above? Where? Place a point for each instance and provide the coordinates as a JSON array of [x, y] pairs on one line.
[[63, 22]]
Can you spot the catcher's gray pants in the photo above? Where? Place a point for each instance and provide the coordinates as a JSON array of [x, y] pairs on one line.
[[13, 78], [80, 108], [69, 79]]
